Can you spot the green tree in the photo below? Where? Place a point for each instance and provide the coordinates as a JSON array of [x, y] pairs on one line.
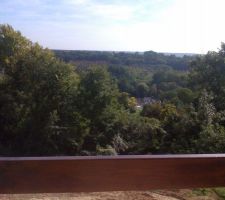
[[142, 90], [212, 134], [98, 101], [185, 95], [208, 72], [33, 89], [97, 90], [152, 110]]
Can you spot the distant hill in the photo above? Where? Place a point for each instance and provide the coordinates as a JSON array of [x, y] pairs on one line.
[[181, 54], [147, 59]]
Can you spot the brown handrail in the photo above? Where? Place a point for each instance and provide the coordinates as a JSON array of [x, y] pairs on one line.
[[110, 173]]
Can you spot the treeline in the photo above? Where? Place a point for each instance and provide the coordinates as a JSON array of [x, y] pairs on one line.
[[148, 59], [49, 107]]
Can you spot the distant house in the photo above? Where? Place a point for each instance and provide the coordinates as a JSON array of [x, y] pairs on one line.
[[143, 101]]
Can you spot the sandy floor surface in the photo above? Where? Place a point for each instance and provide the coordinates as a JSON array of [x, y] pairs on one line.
[[133, 195]]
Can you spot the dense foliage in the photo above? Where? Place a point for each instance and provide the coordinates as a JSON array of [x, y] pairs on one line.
[[149, 59], [91, 105]]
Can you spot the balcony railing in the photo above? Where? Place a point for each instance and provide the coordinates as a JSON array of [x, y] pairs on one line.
[[110, 173]]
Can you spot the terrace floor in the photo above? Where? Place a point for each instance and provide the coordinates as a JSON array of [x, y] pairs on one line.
[[133, 195]]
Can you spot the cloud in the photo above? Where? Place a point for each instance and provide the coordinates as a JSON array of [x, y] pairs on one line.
[[94, 11], [112, 12], [76, 2]]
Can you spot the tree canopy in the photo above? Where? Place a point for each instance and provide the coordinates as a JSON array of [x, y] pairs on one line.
[[108, 103]]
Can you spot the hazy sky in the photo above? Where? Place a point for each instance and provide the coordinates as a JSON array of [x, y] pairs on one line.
[[121, 25]]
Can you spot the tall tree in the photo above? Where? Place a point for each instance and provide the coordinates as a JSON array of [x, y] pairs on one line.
[[208, 72], [33, 88]]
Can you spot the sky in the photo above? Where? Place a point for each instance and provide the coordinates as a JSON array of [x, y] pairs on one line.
[[185, 26]]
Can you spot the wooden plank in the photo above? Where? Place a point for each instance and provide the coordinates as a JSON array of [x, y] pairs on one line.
[[106, 173]]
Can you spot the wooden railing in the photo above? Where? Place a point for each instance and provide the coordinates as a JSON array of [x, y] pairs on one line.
[[106, 173]]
